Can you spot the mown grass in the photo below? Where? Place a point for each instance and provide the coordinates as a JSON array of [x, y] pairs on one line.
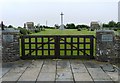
[[65, 32], [60, 32]]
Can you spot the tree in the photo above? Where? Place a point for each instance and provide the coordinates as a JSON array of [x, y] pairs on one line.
[[82, 26], [112, 24], [10, 26], [19, 27], [105, 25], [78, 26], [23, 31], [56, 26], [70, 26], [118, 24]]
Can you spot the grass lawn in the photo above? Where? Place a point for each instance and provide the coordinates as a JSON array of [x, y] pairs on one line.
[[65, 32], [59, 32]]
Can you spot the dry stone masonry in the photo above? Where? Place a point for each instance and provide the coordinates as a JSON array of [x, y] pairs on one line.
[[117, 47], [108, 46], [106, 50], [10, 45], [0, 46]]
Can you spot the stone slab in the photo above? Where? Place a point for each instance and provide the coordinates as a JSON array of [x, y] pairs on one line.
[[103, 81], [82, 77], [84, 82], [108, 68], [77, 63], [5, 70], [45, 82], [6, 67], [49, 66], [30, 74], [11, 76], [36, 64], [16, 71], [79, 70], [62, 64], [50, 62], [90, 64], [46, 77], [64, 71], [113, 75], [32, 71], [21, 63], [98, 74], [58, 80], [64, 75], [78, 66]]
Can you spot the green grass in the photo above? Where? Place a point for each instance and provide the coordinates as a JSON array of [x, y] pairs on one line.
[[65, 32], [60, 32]]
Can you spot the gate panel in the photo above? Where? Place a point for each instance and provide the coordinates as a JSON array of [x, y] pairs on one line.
[[57, 46], [76, 46], [38, 47]]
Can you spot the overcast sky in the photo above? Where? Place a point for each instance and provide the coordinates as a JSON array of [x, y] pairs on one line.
[[17, 12]]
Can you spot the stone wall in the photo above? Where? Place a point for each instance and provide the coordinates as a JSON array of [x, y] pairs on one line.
[[108, 49], [117, 48], [105, 45], [0, 46], [10, 46]]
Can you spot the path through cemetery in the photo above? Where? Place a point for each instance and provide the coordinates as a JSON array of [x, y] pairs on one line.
[[73, 71]]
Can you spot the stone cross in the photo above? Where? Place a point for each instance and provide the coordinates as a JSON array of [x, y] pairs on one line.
[[61, 18], [61, 26]]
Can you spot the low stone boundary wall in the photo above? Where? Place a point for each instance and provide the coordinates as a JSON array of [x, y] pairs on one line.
[[107, 46], [10, 46], [117, 48]]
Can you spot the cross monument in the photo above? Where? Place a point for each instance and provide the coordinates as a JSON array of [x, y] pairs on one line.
[[62, 25]]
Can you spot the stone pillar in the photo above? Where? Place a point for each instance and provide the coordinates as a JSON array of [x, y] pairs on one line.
[[10, 45], [117, 48], [105, 50], [1, 54]]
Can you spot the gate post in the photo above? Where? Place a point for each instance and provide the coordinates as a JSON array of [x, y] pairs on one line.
[[91, 47], [57, 47], [9, 45], [22, 47]]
